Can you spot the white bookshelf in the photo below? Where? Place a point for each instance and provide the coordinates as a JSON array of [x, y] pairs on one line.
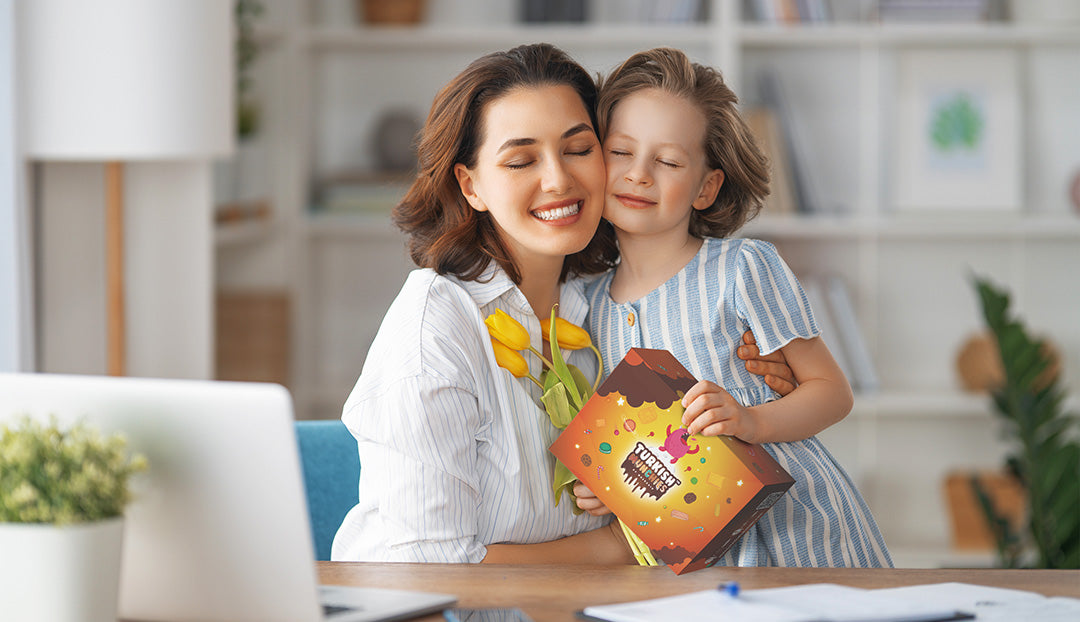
[[327, 78]]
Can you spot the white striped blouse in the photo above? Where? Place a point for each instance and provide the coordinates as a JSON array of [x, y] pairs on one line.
[[453, 449], [700, 315]]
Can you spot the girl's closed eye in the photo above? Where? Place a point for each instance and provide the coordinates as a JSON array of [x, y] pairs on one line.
[[669, 163]]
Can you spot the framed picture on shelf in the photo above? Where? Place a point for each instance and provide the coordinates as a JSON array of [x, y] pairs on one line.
[[958, 138]]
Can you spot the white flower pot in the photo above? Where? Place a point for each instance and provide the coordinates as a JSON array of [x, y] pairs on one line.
[[60, 574]]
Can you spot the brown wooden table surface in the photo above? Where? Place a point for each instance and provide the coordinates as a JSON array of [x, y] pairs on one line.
[[554, 593]]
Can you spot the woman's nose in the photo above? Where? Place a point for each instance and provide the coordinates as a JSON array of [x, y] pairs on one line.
[[556, 178]]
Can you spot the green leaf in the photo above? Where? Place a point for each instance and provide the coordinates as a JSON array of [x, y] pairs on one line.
[[557, 406], [559, 365], [584, 387], [563, 480]]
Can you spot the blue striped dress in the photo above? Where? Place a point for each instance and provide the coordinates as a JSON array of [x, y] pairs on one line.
[[700, 315]]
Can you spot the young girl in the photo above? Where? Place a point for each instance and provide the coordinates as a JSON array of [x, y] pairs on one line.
[[683, 174]]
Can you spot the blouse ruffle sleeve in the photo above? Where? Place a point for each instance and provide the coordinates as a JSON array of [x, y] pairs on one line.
[[770, 299]]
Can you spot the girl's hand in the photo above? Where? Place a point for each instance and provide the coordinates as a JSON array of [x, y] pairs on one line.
[[711, 411], [588, 501], [774, 367]]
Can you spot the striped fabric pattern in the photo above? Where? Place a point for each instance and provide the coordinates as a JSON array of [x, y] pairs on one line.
[[700, 315], [453, 448]]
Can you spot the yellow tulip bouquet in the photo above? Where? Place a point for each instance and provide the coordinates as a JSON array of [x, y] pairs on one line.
[[565, 389]]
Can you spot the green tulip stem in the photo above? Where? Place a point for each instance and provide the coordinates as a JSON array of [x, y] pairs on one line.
[[533, 378], [546, 362], [600, 368]]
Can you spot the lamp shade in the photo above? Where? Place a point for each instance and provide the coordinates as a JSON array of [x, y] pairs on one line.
[[127, 79]]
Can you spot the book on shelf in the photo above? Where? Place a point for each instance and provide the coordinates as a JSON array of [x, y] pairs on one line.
[[830, 333], [774, 97], [766, 129], [789, 11], [952, 11], [863, 375], [360, 193], [648, 11]]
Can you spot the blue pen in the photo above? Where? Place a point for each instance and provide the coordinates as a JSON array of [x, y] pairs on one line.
[[731, 588]]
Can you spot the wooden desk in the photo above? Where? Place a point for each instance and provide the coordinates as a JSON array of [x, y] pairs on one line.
[[554, 593]]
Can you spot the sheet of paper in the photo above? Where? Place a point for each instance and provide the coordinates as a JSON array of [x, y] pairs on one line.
[[802, 603], [840, 603], [705, 606], [992, 604]]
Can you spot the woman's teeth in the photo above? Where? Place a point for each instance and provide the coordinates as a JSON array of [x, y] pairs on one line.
[[559, 212]]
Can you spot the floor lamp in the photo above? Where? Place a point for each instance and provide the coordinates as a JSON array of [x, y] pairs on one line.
[[119, 81]]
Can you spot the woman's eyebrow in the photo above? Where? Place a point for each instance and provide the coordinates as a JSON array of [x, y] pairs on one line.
[[577, 129], [521, 142]]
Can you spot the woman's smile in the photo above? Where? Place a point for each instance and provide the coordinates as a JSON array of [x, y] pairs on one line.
[[556, 214]]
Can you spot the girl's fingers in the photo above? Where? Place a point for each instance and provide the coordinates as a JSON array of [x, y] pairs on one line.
[[706, 419], [702, 387], [703, 401], [717, 429]]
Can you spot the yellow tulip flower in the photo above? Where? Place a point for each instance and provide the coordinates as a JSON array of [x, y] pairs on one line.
[[570, 336], [510, 360], [507, 330]]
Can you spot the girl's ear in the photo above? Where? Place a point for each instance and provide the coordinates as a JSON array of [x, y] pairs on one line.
[[467, 184], [713, 180]]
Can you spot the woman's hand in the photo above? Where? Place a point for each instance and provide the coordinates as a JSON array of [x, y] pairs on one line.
[[773, 367], [588, 501]]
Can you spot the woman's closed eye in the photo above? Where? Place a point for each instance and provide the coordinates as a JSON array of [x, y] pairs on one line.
[[581, 151]]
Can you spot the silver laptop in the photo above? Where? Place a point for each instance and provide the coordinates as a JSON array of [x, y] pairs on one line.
[[219, 527]]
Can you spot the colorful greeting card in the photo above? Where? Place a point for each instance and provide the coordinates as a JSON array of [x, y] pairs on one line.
[[688, 498]]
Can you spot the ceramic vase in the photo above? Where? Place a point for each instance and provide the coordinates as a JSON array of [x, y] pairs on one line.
[[60, 574]]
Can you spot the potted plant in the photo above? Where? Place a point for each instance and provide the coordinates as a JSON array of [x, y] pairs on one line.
[[238, 180], [62, 499], [1045, 455], [247, 49]]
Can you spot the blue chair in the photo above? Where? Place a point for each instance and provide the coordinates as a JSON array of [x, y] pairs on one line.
[[331, 469]]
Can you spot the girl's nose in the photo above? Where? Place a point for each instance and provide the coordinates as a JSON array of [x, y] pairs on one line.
[[638, 173]]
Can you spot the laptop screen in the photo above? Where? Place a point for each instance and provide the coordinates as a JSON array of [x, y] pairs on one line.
[[218, 529]]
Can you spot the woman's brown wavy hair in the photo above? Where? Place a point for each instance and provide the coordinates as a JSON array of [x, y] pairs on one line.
[[444, 232], [729, 144]]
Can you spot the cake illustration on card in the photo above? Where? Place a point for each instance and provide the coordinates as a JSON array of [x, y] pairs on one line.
[[689, 498]]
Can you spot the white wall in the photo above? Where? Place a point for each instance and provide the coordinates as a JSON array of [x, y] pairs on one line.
[[168, 261], [16, 326]]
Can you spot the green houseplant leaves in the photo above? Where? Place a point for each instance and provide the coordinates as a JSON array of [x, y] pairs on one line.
[[1046, 455]]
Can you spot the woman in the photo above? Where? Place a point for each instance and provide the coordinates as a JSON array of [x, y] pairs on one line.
[[501, 216]]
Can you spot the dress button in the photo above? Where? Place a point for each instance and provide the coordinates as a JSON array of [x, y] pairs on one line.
[[630, 319]]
